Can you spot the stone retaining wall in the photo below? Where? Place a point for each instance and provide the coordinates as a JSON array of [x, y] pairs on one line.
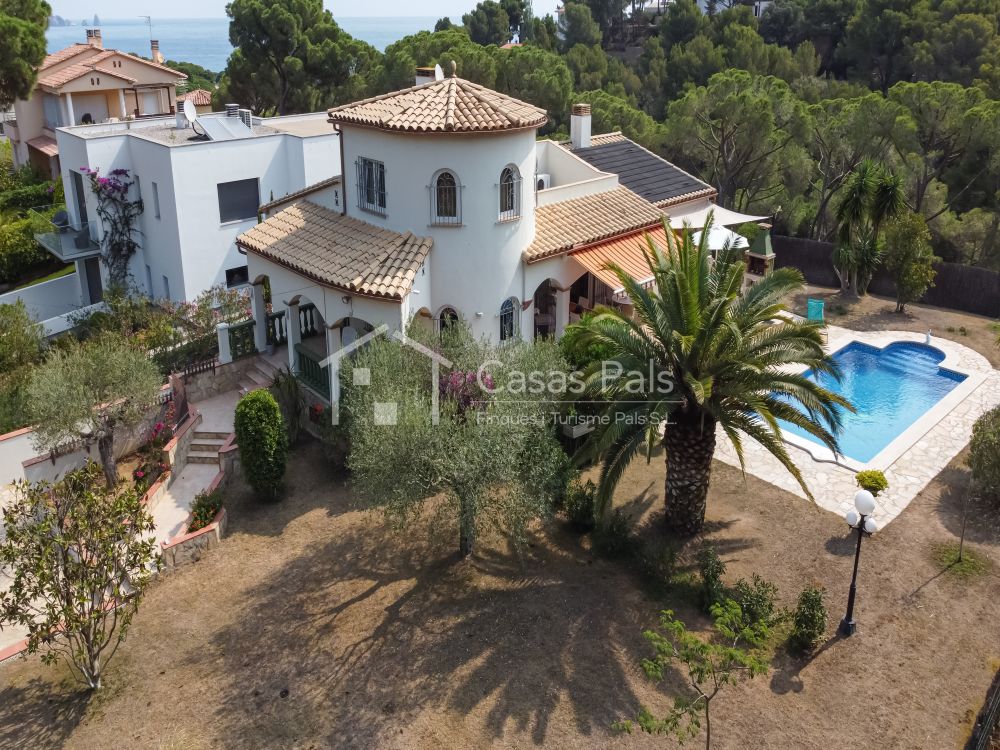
[[204, 385]]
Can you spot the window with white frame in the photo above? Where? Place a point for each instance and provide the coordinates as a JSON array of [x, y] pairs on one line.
[[446, 199], [509, 319], [371, 185], [510, 193]]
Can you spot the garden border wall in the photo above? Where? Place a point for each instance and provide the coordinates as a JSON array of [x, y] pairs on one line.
[[956, 286]]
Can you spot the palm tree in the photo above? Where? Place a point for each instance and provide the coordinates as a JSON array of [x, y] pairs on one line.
[[716, 356], [872, 196]]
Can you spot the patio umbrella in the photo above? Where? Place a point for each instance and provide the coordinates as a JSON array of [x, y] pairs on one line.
[[719, 236]]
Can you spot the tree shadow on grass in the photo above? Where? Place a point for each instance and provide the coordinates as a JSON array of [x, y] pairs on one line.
[[366, 635], [982, 517], [36, 715], [788, 666]]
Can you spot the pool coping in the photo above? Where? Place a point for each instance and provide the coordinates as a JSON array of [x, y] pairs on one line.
[[920, 427], [944, 432]]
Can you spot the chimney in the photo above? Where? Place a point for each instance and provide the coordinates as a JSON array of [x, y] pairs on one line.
[[154, 48], [579, 126], [232, 110], [246, 117], [94, 38]]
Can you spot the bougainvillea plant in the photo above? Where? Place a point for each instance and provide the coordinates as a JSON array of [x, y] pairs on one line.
[[464, 388], [119, 214]]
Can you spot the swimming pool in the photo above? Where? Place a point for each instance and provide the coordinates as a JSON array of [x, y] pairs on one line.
[[890, 388]]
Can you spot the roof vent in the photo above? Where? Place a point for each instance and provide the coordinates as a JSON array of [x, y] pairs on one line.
[[232, 110]]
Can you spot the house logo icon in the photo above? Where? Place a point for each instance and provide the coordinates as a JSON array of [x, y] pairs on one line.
[[385, 412]]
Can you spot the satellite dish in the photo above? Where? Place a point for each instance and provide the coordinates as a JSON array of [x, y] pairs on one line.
[[190, 112], [438, 73]]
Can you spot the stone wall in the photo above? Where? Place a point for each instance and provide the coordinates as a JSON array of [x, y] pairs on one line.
[[188, 548], [175, 452], [224, 378]]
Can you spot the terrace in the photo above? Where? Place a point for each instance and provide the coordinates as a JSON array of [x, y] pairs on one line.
[[67, 239]]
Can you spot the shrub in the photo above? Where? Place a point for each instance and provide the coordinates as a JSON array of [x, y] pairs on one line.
[[872, 480], [711, 569], [658, 561], [263, 442], [809, 621], [757, 600], [204, 508], [984, 453], [580, 503], [612, 538], [286, 391]]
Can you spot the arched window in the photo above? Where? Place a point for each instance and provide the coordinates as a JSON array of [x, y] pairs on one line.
[[510, 193], [447, 317], [509, 318], [445, 199]]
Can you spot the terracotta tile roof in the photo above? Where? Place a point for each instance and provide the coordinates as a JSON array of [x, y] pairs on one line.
[[46, 144], [198, 97], [64, 54], [599, 140], [307, 190], [142, 61], [560, 227], [79, 70], [451, 105], [339, 251]]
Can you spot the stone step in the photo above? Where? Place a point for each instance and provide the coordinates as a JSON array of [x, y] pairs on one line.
[[209, 435], [266, 367], [259, 377], [212, 442], [203, 458], [199, 447]]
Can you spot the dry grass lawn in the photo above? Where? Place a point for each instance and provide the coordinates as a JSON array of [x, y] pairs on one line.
[[316, 626]]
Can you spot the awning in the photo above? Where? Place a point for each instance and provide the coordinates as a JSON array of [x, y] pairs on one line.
[[627, 252], [45, 144], [696, 216]]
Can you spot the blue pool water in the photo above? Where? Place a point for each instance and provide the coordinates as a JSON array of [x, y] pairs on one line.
[[890, 388]]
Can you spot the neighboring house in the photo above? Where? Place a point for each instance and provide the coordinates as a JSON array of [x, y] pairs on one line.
[[449, 208], [85, 84], [200, 98]]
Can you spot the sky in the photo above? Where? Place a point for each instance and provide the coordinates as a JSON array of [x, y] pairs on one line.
[[217, 8]]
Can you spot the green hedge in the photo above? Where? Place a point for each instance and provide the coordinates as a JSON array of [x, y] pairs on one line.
[[263, 442]]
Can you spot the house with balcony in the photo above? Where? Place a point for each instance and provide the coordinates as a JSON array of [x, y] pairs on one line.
[[85, 84], [449, 208], [201, 184]]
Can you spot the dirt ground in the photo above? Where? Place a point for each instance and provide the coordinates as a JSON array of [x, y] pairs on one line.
[[870, 313], [314, 625]]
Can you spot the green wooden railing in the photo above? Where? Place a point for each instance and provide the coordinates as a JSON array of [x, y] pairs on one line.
[[241, 339], [277, 334], [311, 372]]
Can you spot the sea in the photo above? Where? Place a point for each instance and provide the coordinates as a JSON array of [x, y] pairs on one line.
[[205, 41]]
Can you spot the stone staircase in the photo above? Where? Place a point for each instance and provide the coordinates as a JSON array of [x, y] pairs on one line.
[[259, 376], [205, 447]]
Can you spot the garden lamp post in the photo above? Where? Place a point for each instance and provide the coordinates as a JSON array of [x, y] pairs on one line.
[[861, 520]]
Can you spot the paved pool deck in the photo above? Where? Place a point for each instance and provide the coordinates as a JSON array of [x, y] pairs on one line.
[[910, 461]]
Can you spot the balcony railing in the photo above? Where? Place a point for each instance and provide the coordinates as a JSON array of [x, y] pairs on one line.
[[311, 372], [57, 233]]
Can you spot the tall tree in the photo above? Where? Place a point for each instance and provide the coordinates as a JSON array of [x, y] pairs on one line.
[[91, 391], [488, 23], [700, 353], [736, 131], [22, 29], [80, 557], [843, 132], [937, 129], [301, 54], [579, 26], [871, 196]]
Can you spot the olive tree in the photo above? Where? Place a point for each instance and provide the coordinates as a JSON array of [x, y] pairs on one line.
[[89, 392], [484, 443], [80, 556]]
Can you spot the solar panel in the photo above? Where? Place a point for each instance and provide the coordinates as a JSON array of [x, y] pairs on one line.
[[224, 128]]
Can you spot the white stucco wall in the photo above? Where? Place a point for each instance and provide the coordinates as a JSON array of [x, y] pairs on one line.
[[189, 244], [473, 267]]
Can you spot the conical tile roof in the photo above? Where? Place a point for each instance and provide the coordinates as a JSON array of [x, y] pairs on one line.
[[451, 105]]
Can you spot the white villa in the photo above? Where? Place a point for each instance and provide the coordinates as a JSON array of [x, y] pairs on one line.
[[451, 208]]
